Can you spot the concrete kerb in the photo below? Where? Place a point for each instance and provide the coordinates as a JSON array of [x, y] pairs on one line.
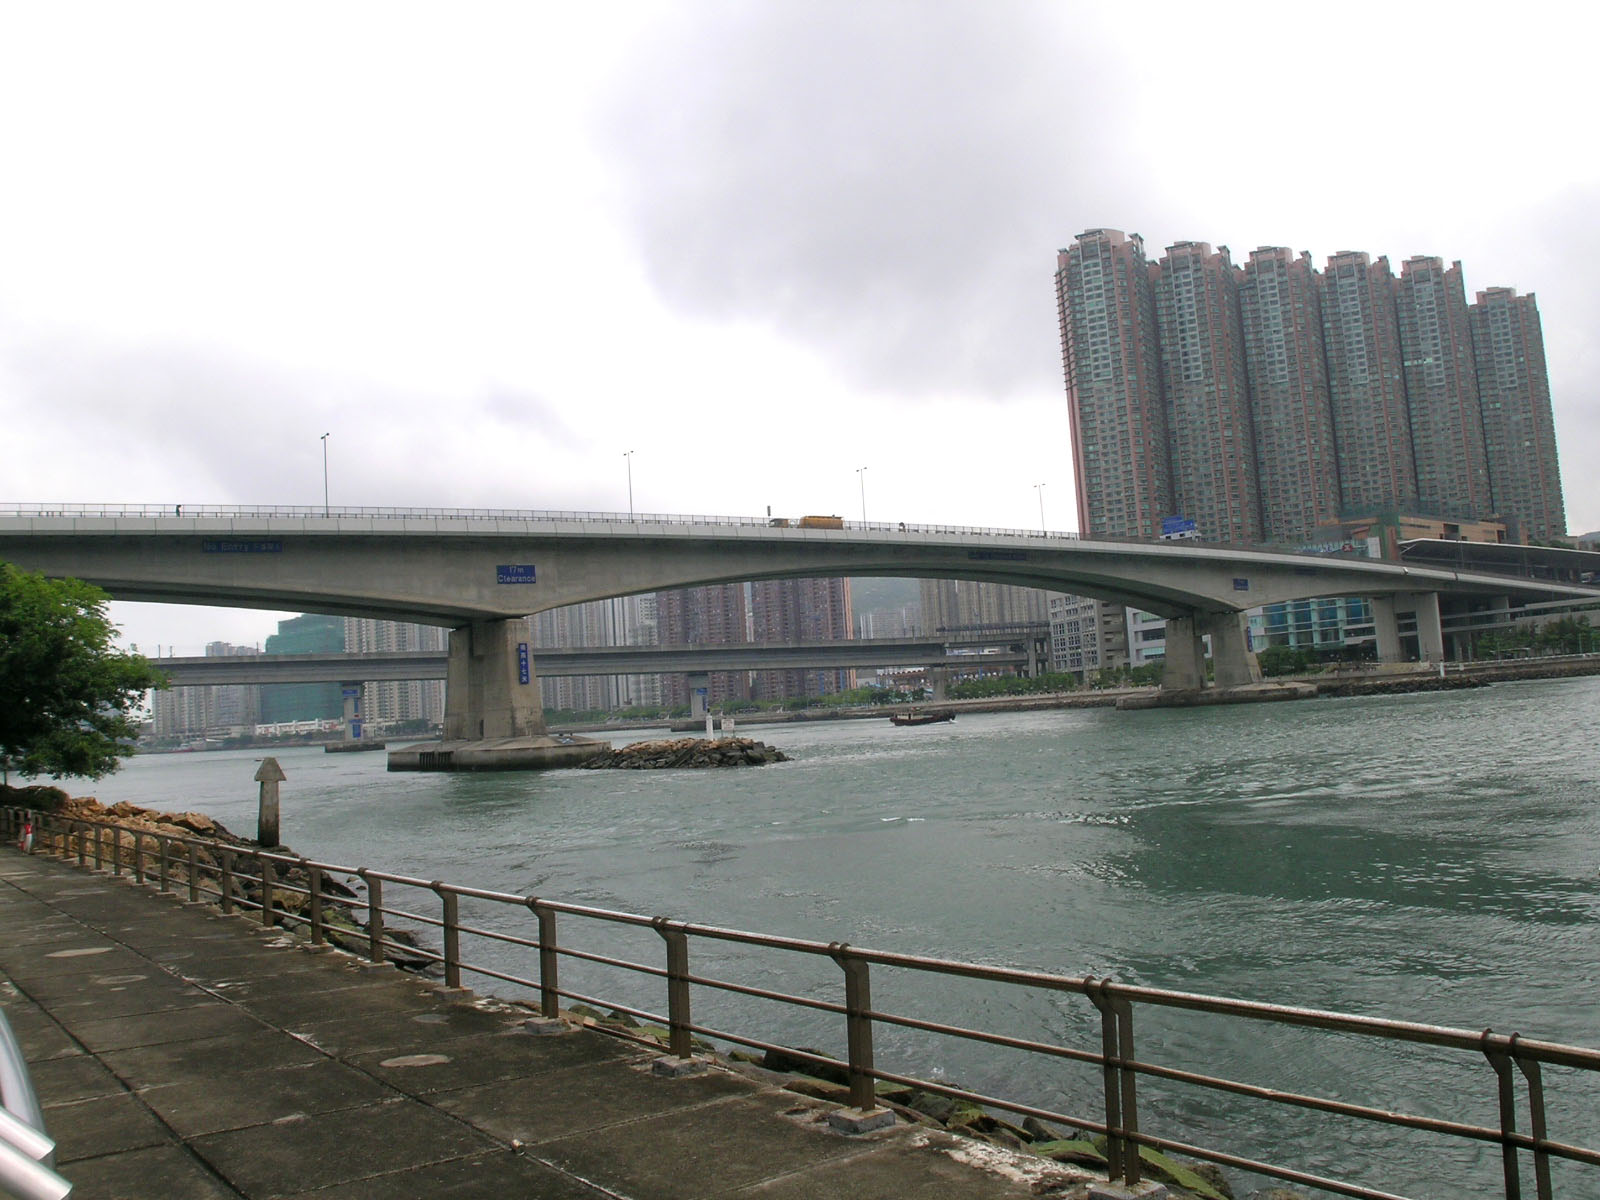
[[860, 1120], [1147, 1189], [669, 1067]]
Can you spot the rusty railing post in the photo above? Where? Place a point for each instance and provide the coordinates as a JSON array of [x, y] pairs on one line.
[[315, 888], [83, 848], [1117, 1148], [449, 904], [549, 961], [680, 1041], [138, 856], [1541, 1157], [1130, 1100], [1506, 1089], [374, 916], [162, 872], [99, 848], [225, 879], [858, 1026], [116, 849], [266, 891], [194, 870]]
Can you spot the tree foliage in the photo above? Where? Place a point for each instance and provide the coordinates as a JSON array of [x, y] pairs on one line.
[[67, 694]]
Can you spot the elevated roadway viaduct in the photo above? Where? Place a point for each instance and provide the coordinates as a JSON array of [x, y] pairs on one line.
[[482, 572], [380, 666]]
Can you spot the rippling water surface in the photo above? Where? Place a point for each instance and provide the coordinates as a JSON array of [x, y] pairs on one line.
[[1431, 857]]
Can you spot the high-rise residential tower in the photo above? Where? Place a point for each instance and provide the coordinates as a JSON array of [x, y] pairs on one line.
[[1280, 311], [1442, 390], [1110, 350], [714, 615], [1366, 380], [801, 610], [1518, 425], [1212, 446]]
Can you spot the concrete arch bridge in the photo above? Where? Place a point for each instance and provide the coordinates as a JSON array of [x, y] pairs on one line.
[[482, 572]]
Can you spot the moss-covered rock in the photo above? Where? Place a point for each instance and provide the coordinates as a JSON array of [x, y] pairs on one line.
[[1170, 1171], [1070, 1150]]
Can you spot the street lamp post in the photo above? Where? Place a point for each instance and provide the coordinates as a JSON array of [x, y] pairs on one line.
[[324, 474], [861, 477], [628, 457], [1039, 487]]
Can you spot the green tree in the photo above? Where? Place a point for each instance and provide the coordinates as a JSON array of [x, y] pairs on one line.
[[66, 693]]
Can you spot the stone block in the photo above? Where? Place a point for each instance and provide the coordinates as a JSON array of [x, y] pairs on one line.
[[857, 1120]]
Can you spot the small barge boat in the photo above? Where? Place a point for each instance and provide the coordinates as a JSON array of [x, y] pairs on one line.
[[931, 717]]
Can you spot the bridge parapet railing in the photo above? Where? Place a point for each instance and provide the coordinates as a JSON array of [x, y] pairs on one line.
[[310, 512], [528, 943], [49, 511]]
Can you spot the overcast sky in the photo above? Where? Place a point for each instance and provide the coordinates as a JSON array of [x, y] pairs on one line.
[[489, 248]]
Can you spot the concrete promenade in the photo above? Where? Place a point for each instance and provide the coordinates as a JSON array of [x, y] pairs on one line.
[[181, 1054]]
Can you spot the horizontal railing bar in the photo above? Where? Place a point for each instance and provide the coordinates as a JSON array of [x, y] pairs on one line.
[[993, 1039], [763, 994], [739, 1039], [513, 939], [1341, 1108], [607, 961], [955, 1093], [411, 951], [419, 918], [500, 975]]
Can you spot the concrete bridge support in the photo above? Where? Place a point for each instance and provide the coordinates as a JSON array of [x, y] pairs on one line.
[[351, 693], [1386, 612], [1386, 626], [1232, 662], [1184, 664], [699, 694], [490, 688], [493, 716], [1430, 634]]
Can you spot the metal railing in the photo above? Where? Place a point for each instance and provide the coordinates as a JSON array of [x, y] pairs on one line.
[[257, 883], [27, 1155], [303, 512]]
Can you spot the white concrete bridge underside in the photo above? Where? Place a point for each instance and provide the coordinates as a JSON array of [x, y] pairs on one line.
[[482, 576]]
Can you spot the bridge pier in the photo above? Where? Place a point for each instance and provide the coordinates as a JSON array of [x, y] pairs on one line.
[[1386, 612], [1184, 662], [1233, 663], [493, 717], [351, 694]]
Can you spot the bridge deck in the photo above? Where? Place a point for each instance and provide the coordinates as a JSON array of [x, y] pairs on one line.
[[181, 1054]]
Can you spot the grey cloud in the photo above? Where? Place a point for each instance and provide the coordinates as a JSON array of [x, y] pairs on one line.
[[887, 182]]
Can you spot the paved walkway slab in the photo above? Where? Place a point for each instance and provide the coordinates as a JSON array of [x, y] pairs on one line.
[[181, 1054]]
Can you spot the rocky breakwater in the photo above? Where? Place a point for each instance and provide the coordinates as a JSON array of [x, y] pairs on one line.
[[687, 752]]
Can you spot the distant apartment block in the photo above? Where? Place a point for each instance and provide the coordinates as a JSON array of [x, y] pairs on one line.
[[1209, 436], [954, 605], [1111, 353], [800, 610], [619, 621], [1280, 309], [1266, 400], [398, 701], [1518, 425], [716, 615], [211, 711], [1442, 388]]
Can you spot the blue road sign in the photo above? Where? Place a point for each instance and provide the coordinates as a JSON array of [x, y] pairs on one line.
[[514, 573], [524, 664]]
